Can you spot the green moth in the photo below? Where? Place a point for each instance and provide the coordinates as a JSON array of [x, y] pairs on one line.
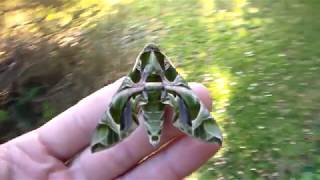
[[143, 95]]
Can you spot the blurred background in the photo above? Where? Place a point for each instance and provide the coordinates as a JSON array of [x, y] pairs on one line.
[[260, 60]]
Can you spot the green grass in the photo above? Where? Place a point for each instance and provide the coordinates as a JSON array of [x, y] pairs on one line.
[[3, 115], [262, 64]]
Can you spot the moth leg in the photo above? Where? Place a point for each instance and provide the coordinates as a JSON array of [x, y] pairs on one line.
[[138, 101], [180, 118], [169, 99], [131, 111], [184, 121], [143, 99], [129, 117], [135, 119]]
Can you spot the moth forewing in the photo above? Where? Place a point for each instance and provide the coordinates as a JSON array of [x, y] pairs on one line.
[[205, 127], [152, 85]]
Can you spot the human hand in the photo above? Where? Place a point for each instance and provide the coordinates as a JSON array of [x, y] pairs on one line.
[[58, 149]]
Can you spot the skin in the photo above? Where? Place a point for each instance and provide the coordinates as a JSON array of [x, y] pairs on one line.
[[43, 153]]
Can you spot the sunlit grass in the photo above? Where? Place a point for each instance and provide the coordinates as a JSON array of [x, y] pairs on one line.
[[207, 7], [193, 176], [16, 18], [212, 15], [85, 12], [114, 2]]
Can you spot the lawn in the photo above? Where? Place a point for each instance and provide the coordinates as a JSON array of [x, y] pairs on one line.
[[261, 62]]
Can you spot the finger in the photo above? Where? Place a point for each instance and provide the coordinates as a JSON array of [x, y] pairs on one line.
[[71, 131], [25, 155], [175, 162], [114, 161]]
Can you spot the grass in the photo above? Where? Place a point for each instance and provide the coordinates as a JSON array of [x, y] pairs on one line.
[[262, 64]]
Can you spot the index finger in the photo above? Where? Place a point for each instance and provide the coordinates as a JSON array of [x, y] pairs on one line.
[[70, 131]]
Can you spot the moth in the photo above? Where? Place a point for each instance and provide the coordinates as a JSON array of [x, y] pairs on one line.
[[143, 95]]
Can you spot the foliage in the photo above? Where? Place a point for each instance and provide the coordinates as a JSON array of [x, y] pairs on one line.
[[260, 60], [48, 111], [45, 69], [3, 115]]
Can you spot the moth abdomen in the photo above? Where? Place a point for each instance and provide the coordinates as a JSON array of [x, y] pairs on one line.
[[153, 121]]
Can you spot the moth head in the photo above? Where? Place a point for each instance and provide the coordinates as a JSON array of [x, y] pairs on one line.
[[152, 65]]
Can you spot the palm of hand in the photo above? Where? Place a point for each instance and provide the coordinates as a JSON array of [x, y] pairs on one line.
[[57, 149]]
